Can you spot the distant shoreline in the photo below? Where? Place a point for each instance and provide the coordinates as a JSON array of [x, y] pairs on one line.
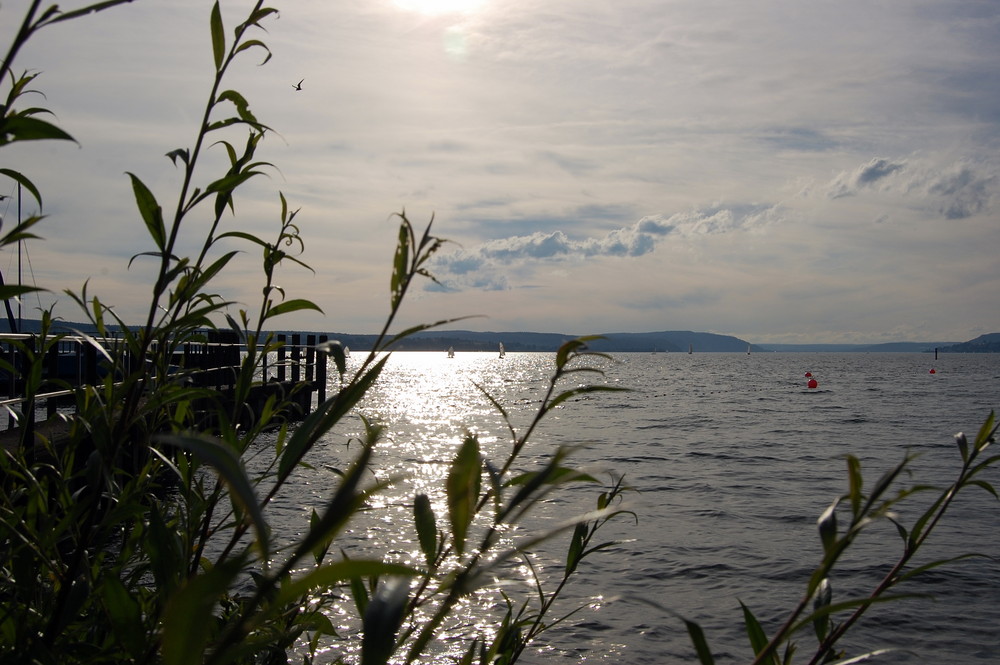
[[669, 341]]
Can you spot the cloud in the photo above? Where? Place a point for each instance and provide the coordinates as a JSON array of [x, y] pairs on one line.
[[963, 192], [482, 267], [955, 191], [863, 177]]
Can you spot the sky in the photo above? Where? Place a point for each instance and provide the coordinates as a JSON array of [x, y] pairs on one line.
[[782, 171]]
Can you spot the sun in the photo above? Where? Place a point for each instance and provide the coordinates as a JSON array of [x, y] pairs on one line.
[[433, 7]]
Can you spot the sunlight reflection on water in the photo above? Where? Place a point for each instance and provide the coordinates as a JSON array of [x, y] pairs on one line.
[[428, 403], [733, 458]]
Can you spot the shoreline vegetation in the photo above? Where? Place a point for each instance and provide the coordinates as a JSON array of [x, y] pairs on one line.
[[146, 538]]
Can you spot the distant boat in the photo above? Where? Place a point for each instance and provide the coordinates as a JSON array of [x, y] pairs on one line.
[[451, 351], [748, 349], [502, 352], [690, 348]]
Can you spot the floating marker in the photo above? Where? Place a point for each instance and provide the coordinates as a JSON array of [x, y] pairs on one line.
[[812, 383], [933, 371], [808, 374]]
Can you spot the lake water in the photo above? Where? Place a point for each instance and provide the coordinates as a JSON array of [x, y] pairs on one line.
[[732, 458]]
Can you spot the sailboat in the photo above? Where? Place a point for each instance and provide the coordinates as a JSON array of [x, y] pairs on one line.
[[502, 352], [690, 348], [748, 349], [451, 351]]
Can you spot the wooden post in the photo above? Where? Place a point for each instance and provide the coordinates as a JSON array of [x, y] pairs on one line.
[[296, 359], [310, 357], [52, 361], [281, 357], [321, 361], [89, 365]]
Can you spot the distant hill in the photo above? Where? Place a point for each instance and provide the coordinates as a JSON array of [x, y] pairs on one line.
[[888, 347], [988, 343], [676, 341]]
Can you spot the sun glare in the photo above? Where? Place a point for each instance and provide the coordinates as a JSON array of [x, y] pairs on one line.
[[440, 6]]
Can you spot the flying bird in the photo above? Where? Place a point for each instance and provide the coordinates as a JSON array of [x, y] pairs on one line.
[[298, 86]]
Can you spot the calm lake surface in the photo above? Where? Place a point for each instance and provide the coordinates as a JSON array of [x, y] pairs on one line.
[[732, 458]]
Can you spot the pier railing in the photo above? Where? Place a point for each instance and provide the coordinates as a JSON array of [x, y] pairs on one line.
[[75, 362]]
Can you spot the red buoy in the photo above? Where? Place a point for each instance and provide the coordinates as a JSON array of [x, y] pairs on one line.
[[808, 374], [812, 383], [933, 371]]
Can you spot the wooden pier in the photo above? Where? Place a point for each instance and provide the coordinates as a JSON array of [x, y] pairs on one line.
[[297, 374]]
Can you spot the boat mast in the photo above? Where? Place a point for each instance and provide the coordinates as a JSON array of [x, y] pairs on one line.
[[12, 324]]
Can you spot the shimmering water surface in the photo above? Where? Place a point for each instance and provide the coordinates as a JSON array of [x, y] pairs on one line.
[[732, 458]]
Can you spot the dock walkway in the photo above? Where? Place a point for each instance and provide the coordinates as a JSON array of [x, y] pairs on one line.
[[299, 373]]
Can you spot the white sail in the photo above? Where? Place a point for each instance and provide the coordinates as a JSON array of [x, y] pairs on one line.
[[502, 352]]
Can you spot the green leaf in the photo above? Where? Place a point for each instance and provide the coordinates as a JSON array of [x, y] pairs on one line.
[[28, 128], [827, 525], [27, 184], [125, 615], [400, 263], [259, 14], [584, 390], [224, 188], [822, 598], [241, 104], [462, 486], [576, 347], [243, 236], [218, 36], [334, 349], [382, 619], [229, 466], [292, 306], [883, 483], [152, 213], [423, 518], [758, 638], [340, 572], [986, 486], [206, 275], [842, 606], [11, 291], [855, 480], [576, 543], [251, 43], [180, 153], [986, 432], [325, 416], [941, 562], [60, 16], [700, 644], [165, 551], [189, 615]]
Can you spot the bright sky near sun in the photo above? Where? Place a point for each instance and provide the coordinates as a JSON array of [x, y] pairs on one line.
[[780, 170]]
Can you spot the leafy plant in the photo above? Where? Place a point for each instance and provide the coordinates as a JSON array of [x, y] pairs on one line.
[[829, 619], [140, 536]]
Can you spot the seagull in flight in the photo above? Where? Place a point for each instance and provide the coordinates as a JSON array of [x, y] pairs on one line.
[[298, 86]]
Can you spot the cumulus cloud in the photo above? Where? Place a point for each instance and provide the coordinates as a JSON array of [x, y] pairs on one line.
[[955, 191], [481, 267], [849, 183]]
